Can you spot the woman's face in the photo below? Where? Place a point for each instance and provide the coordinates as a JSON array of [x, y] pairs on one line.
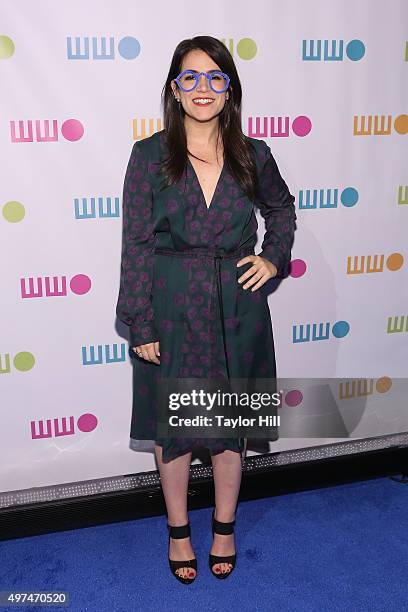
[[190, 100]]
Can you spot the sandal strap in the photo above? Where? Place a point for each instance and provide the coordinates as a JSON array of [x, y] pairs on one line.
[[183, 531], [215, 559], [223, 528], [179, 564]]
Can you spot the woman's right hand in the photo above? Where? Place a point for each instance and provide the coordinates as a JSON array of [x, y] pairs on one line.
[[150, 351]]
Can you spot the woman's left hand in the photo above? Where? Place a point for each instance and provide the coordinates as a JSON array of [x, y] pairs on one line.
[[260, 271]]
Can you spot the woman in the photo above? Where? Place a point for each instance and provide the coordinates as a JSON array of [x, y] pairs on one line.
[[189, 196]]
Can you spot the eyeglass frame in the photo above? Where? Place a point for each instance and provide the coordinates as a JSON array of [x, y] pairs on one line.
[[197, 76]]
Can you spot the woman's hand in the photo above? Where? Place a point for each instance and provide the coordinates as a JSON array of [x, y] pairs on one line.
[[150, 351], [260, 271]]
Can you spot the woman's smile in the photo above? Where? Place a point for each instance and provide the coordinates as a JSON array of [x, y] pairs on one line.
[[203, 101]]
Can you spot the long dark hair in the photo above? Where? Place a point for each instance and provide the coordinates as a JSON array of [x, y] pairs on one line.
[[238, 150]]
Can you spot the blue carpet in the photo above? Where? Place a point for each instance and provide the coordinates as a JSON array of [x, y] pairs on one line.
[[340, 548]]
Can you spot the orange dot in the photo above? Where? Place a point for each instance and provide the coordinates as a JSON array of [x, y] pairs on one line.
[[395, 261], [401, 124], [383, 384]]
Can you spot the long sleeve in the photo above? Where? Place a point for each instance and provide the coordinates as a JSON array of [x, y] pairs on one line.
[[134, 305], [276, 205]]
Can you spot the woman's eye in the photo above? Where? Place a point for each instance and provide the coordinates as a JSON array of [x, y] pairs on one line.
[[189, 77]]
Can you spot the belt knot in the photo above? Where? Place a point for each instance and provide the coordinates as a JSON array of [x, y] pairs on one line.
[[219, 253]]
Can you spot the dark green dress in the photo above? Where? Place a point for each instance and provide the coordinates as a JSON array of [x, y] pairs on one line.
[[176, 300]]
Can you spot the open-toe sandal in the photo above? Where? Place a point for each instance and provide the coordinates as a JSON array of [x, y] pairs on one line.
[[222, 529], [178, 533]]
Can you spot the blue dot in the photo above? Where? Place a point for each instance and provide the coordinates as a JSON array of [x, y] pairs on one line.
[[340, 329], [129, 47], [349, 196], [355, 50]]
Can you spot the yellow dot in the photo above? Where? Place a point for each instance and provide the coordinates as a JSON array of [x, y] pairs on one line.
[[6, 47], [401, 124], [13, 212], [395, 261], [246, 48], [383, 384], [24, 361]]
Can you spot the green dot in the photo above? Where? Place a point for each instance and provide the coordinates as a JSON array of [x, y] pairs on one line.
[[13, 212], [24, 361], [6, 47], [246, 48]]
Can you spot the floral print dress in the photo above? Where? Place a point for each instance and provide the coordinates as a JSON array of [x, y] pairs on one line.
[[206, 323]]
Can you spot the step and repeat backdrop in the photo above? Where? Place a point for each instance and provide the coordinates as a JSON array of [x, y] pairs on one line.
[[325, 85]]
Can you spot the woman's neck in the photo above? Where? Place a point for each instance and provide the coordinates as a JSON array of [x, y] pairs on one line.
[[201, 135]]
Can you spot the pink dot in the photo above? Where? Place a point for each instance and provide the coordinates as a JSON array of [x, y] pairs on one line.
[[293, 398], [301, 125], [87, 422], [143, 390], [72, 129], [297, 268], [80, 284]]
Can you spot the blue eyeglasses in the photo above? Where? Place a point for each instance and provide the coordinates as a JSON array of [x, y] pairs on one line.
[[189, 79]]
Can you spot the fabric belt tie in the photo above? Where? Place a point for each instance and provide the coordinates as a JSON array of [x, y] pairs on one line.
[[217, 255]]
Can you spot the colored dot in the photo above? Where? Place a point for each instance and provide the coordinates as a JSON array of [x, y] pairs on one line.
[[87, 422], [401, 124], [293, 398], [129, 47], [297, 268], [13, 212], [383, 384], [355, 50], [143, 390], [301, 125], [80, 284], [24, 361], [395, 261], [72, 130], [340, 329], [246, 48], [6, 47], [349, 197]]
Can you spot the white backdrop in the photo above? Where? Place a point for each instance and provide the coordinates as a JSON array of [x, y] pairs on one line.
[[337, 113]]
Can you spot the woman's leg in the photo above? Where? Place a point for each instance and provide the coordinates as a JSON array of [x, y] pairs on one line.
[[227, 470], [174, 481]]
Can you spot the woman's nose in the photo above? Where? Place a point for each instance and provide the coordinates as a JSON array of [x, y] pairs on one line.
[[203, 84]]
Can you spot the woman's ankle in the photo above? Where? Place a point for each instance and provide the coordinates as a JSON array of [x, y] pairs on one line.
[[224, 516]]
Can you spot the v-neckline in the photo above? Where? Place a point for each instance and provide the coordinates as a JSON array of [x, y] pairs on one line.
[[199, 184]]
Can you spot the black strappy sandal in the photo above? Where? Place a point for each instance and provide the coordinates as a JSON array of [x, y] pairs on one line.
[[222, 529], [178, 533]]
